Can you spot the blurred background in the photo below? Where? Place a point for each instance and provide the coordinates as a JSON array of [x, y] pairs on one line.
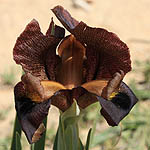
[[129, 19]]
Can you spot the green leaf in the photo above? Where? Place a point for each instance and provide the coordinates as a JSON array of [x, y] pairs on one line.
[[72, 111], [32, 147], [87, 146], [59, 143], [71, 121], [17, 129], [18, 142], [81, 147], [72, 137], [67, 136], [53, 30]]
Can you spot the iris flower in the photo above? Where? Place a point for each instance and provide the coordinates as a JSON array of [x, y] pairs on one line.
[[86, 66]]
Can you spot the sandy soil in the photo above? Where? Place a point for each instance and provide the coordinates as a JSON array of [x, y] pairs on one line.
[[129, 19]]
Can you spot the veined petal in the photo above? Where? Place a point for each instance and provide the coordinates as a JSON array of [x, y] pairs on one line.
[[31, 49], [52, 60], [30, 114], [113, 53]]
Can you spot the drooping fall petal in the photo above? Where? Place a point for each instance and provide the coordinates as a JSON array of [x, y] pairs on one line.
[[116, 109], [30, 114], [113, 53]]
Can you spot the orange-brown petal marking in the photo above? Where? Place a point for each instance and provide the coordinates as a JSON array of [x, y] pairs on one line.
[[105, 88], [38, 133], [50, 87], [40, 91], [63, 99], [70, 71], [96, 86]]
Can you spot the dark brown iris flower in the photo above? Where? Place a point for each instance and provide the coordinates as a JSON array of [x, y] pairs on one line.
[[90, 66]]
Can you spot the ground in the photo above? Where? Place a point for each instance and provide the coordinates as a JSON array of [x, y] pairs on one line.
[[129, 19]]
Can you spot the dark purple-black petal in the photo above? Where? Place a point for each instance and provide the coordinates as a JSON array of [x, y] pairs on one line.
[[30, 114], [116, 109]]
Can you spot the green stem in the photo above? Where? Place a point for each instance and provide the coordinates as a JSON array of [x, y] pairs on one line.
[[32, 146], [40, 145], [17, 129]]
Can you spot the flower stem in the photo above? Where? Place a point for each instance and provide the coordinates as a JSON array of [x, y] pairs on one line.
[[17, 129]]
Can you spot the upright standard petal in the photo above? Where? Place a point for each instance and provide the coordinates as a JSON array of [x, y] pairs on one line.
[[113, 54], [31, 49]]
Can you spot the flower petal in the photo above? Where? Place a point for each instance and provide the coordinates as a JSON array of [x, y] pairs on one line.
[[113, 84], [92, 56], [63, 99], [31, 48], [52, 60], [65, 17], [113, 53], [70, 71], [30, 114], [116, 109], [55, 30], [83, 97], [96, 86], [39, 91], [105, 87]]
